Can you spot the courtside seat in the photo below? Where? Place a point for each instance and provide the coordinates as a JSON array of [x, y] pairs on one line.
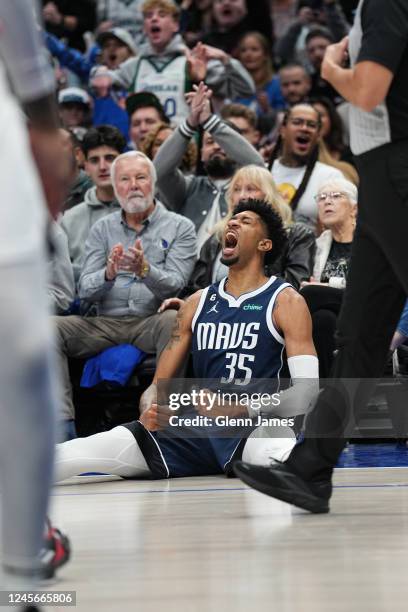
[[105, 406]]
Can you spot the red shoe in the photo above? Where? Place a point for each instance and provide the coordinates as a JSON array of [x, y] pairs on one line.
[[55, 552]]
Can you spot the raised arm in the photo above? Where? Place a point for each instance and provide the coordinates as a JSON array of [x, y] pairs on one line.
[[367, 83], [233, 144], [122, 76], [170, 180]]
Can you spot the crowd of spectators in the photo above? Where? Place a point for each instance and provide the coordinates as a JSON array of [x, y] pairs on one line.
[[171, 112]]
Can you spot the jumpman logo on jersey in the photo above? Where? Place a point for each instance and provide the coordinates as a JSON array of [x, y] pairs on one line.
[[214, 308]]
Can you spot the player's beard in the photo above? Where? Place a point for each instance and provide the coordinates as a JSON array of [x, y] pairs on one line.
[[229, 261], [136, 203]]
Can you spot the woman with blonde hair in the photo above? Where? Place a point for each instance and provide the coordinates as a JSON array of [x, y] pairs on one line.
[[294, 265]]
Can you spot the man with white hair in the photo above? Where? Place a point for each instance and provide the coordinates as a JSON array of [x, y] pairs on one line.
[[134, 258]]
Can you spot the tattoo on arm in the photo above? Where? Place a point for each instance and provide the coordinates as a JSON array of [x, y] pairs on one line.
[[175, 334]]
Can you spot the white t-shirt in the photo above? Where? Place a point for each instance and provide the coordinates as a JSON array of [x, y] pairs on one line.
[[288, 180]]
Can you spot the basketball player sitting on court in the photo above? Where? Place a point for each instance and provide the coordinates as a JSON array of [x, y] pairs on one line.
[[260, 316]]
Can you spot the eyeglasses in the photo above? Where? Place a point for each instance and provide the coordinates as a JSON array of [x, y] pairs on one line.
[[299, 122], [334, 196]]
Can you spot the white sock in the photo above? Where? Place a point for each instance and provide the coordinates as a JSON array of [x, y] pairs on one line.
[[110, 452]]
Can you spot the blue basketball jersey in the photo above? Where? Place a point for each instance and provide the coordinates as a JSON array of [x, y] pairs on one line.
[[234, 342], [234, 339]]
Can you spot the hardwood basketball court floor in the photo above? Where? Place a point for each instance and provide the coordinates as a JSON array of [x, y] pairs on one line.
[[212, 544]]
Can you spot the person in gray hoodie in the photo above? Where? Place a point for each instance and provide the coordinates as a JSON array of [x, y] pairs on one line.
[[101, 146], [167, 68]]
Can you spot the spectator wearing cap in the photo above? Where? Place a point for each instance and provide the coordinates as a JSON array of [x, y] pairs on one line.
[[202, 198], [167, 68], [145, 113], [74, 106], [101, 146], [116, 46], [70, 19]]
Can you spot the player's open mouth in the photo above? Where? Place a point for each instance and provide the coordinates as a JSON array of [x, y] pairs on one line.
[[230, 242]]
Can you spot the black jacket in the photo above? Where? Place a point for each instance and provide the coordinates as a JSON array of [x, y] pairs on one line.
[[294, 265]]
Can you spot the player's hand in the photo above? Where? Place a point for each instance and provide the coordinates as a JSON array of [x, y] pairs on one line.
[[112, 264], [171, 304], [335, 54], [156, 417], [148, 397]]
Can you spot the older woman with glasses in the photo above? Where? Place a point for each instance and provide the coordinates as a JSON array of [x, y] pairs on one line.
[[337, 210]]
